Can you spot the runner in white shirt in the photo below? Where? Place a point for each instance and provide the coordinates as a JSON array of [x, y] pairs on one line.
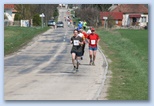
[[76, 50], [82, 36]]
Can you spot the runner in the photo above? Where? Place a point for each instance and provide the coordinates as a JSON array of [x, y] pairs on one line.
[[54, 25], [84, 25], [65, 18], [93, 40], [76, 49], [83, 34], [79, 25], [74, 23], [68, 23], [89, 31]]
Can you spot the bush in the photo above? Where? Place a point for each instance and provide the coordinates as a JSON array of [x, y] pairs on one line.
[[111, 23], [146, 27], [36, 20], [17, 17], [56, 13]]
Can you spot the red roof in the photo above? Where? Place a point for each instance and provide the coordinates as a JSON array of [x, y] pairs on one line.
[[14, 10], [114, 15], [135, 15], [131, 8], [8, 6]]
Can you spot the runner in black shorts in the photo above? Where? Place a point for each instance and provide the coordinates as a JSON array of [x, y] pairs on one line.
[[76, 49]]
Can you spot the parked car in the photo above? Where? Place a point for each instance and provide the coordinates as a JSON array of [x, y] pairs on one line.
[[51, 23], [60, 24]]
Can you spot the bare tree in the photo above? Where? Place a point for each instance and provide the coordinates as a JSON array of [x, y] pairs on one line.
[[27, 11], [100, 7], [91, 15]]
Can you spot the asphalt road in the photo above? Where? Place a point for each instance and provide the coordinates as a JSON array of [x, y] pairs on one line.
[[43, 70]]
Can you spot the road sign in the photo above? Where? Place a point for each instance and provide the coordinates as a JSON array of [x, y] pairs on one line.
[[105, 18], [42, 15]]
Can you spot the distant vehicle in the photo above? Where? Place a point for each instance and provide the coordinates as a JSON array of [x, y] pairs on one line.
[[60, 24], [51, 23]]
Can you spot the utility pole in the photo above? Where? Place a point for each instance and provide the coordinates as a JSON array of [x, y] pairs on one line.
[[105, 23], [42, 16]]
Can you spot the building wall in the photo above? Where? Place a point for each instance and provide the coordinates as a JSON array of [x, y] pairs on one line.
[[117, 22], [8, 13], [125, 20], [142, 21]]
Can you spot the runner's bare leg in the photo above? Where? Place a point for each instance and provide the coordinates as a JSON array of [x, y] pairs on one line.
[[73, 58], [94, 55], [90, 55]]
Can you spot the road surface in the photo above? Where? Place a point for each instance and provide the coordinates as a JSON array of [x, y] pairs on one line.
[[43, 70]]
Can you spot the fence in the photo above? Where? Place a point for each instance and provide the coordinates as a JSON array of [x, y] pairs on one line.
[[10, 23]]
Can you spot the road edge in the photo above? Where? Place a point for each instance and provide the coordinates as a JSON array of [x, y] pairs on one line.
[[104, 77]]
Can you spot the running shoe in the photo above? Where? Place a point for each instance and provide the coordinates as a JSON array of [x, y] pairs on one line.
[[74, 68], [77, 70], [93, 63], [90, 62], [77, 66]]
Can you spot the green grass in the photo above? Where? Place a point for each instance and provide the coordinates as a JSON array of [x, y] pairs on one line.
[[16, 37], [128, 50]]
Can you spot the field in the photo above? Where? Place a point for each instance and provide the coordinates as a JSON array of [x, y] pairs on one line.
[[16, 37], [128, 50]]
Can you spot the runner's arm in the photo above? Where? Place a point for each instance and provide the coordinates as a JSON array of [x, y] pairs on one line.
[[81, 41], [71, 41], [87, 40], [98, 39]]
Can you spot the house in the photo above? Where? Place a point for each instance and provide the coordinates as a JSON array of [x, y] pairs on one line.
[[8, 9], [133, 14], [116, 17]]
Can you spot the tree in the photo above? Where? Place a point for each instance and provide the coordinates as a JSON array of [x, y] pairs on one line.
[[110, 21], [70, 5], [17, 17], [99, 7], [27, 11], [24, 10], [91, 13], [36, 20]]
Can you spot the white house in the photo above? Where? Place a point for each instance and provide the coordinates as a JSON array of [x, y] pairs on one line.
[[8, 9], [133, 14]]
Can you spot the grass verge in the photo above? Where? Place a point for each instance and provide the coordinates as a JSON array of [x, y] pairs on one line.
[[128, 50], [17, 37]]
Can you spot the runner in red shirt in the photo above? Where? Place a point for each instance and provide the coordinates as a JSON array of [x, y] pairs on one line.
[[93, 40]]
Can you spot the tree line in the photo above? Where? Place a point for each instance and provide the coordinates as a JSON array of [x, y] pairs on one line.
[[87, 12], [91, 13], [32, 11]]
